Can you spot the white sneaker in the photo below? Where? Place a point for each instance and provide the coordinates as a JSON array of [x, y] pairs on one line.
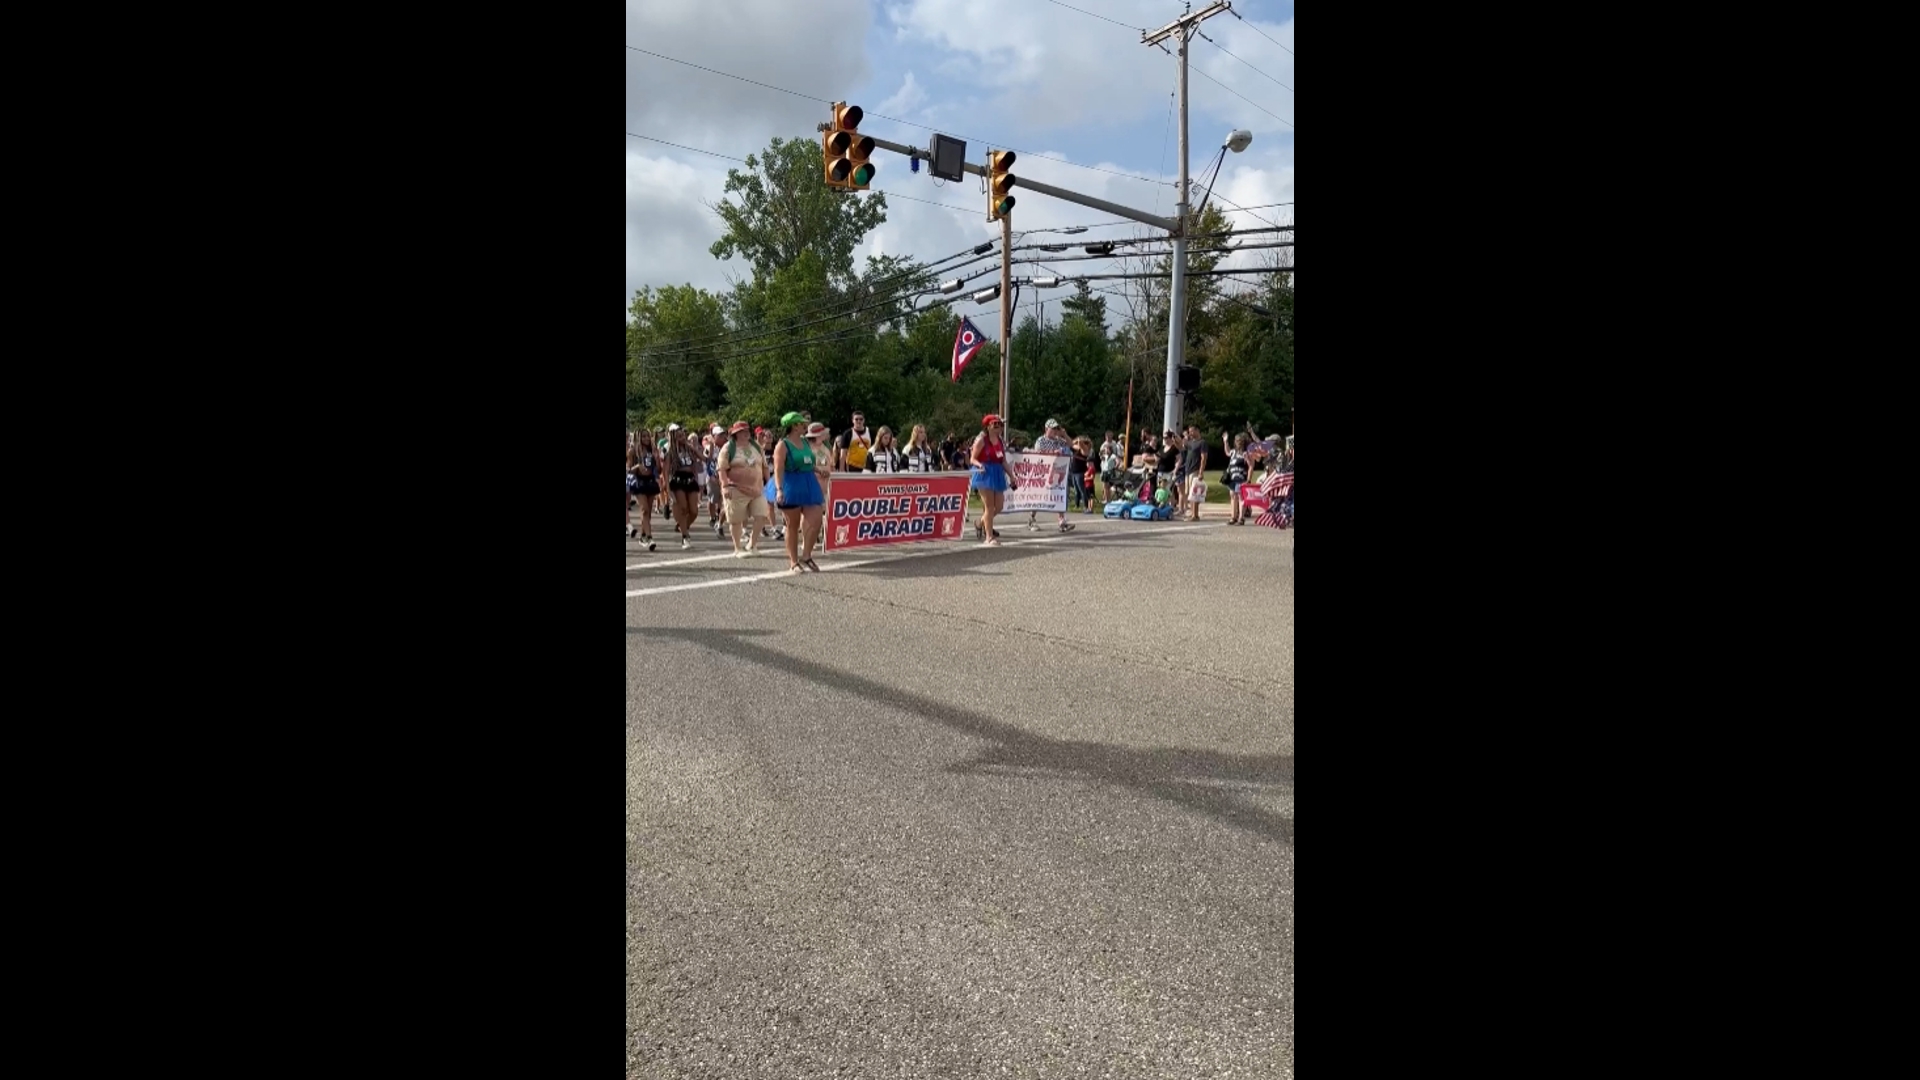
[[685, 543]]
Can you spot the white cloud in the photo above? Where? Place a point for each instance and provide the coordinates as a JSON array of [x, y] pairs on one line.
[[909, 97]]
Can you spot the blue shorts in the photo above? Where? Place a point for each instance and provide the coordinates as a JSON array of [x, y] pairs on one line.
[[990, 477], [802, 491]]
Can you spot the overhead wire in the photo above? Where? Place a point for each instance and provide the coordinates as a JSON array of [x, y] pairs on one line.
[[1259, 31], [935, 268], [1241, 96], [724, 341], [1134, 254], [891, 119], [1102, 18], [1256, 70]]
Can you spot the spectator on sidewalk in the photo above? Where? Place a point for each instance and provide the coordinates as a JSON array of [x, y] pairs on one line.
[[1193, 463], [1053, 441]]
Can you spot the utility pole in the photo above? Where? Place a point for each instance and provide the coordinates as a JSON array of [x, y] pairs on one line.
[[1006, 313], [1183, 27]]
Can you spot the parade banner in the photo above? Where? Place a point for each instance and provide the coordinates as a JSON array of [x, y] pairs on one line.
[[867, 508], [1042, 479], [1251, 498]]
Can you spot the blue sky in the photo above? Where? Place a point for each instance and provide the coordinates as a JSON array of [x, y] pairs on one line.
[[1026, 74]]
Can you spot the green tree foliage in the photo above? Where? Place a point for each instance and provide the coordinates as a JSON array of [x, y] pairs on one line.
[[675, 338], [785, 208]]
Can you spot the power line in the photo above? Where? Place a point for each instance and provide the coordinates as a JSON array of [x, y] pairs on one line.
[[1190, 273], [1135, 254], [904, 277], [1166, 129], [1249, 210], [929, 202], [1242, 97], [694, 149], [1103, 18], [1259, 31], [1237, 209], [1256, 70], [893, 119]]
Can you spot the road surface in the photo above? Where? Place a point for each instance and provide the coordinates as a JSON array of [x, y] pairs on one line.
[[951, 811]]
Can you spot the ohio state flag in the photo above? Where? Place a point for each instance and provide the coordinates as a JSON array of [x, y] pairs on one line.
[[965, 343]]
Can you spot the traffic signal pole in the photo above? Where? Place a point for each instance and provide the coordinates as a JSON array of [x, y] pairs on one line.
[[1038, 188]]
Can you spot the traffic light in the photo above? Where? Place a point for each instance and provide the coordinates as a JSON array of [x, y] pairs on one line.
[[999, 184], [846, 152]]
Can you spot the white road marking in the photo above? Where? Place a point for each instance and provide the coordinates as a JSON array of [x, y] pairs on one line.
[[727, 554], [946, 547]]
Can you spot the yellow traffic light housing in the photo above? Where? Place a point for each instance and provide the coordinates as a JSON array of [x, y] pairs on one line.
[[845, 152], [999, 184], [859, 154]]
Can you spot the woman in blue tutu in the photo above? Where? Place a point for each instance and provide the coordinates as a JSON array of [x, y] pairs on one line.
[[990, 477], [797, 492]]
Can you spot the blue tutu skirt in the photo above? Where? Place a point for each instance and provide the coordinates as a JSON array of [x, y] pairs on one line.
[[803, 490], [990, 477], [768, 491]]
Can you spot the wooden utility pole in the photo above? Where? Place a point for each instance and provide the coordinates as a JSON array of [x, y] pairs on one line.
[[1006, 312]]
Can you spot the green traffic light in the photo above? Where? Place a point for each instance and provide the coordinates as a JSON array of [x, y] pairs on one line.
[[1004, 206], [863, 174]]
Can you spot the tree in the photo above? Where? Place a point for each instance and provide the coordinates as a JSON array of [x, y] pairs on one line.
[[785, 209], [675, 340], [1085, 306]]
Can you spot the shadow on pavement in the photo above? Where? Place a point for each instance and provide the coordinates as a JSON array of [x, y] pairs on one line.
[[1188, 778], [1010, 550]]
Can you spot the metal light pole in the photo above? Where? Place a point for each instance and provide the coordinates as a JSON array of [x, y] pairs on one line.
[[1183, 28], [1177, 316]]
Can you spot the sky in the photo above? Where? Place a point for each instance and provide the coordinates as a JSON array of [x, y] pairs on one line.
[[1030, 75]]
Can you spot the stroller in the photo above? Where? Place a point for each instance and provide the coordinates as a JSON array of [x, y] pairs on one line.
[[1132, 485], [1139, 501]]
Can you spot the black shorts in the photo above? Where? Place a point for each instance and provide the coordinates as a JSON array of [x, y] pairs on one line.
[[683, 482], [645, 485]]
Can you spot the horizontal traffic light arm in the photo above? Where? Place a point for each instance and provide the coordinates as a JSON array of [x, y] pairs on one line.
[[1025, 185]]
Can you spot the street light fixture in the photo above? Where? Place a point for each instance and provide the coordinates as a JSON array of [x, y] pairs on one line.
[[1238, 139]]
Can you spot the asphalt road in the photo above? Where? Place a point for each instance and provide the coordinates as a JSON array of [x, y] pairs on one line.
[[950, 811]]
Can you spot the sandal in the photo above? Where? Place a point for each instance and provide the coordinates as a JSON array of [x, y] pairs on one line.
[[810, 564]]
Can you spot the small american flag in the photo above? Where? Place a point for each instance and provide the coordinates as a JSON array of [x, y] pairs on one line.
[[1278, 489]]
